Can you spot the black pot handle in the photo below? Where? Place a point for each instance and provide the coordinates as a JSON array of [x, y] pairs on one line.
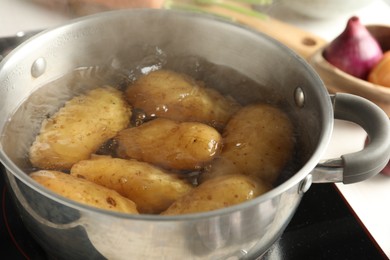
[[361, 165]]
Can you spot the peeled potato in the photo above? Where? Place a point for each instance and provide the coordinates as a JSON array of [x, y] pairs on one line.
[[170, 144], [258, 141], [84, 191], [168, 94], [217, 193], [79, 128], [151, 188]]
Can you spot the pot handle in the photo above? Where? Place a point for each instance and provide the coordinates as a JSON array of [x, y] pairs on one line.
[[361, 165]]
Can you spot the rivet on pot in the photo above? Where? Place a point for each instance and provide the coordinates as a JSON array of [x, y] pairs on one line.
[[299, 97], [38, 67], [305, 184]]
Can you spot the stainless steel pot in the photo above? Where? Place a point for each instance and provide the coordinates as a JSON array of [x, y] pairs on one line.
[[122, 39]]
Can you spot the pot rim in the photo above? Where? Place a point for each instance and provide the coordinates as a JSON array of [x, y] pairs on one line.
[[293, 181]]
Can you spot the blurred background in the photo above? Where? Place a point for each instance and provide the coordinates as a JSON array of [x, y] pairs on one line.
[[324, 17]]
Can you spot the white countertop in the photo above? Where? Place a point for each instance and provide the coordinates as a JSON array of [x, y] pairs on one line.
[[368, 199]]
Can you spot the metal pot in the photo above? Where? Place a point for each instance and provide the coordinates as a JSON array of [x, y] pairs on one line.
[[122, 39]]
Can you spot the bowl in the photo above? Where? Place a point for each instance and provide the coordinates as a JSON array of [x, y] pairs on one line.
[[337, 80]]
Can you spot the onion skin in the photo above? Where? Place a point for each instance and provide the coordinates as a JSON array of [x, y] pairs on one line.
[[355, 51]]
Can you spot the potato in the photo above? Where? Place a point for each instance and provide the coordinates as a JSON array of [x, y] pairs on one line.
[[168, 94], [84, 191], [258, 141], [152, 189], [219, 192], [170, 144], [79, 128], [219, 166]]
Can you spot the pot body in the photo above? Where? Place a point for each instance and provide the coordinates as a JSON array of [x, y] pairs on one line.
[[150, 38], [68, 233]]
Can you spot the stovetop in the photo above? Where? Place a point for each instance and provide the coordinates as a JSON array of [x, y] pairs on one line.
[[324, 227]]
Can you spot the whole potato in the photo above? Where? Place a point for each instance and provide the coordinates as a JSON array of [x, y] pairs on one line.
[[219, 192], [219, 166], [168, 94], [84, 191], [79, 128], [257, 141], [170, 144], [151, 188]]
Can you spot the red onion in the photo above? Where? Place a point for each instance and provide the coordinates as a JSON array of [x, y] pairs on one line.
[[355, 51]]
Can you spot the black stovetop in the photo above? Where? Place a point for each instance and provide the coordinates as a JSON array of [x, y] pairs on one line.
[[324, 227]]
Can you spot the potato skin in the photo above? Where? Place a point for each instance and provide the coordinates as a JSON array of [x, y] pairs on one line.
[[79, 128], [258, 141], [170, 144], [84, 191], [219, 192], [151, 188], [176, 96]]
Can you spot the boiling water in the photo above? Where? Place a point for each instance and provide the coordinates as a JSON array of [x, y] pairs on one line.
[[43, 103]]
